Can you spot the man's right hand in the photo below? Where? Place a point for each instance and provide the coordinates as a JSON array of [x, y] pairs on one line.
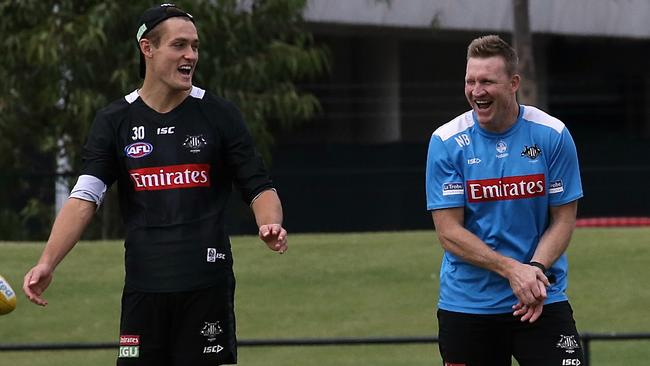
[[36, 282]]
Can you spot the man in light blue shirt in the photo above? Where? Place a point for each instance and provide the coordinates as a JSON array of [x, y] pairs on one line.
[[502, 183]]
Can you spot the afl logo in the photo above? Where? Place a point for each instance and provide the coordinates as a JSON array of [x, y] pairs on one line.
[[138, 149]]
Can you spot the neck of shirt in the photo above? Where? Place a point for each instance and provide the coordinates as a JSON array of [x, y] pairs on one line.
[[162, 100]]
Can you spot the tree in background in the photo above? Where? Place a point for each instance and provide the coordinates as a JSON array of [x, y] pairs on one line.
[[523, 43], [63, 60], [255, 56]]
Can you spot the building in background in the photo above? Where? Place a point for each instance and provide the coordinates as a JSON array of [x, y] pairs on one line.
[[397, 74]]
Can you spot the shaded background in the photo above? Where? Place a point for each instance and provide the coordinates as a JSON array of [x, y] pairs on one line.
[[395, 74], [331, 180]]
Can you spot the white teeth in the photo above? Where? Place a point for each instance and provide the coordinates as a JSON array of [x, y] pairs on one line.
[[483, 104], [186, 67]]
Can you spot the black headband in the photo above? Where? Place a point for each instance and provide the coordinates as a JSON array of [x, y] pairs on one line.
[[151, 18]]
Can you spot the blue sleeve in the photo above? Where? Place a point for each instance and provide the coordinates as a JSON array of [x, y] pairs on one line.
[[444, 183], [564, 172]]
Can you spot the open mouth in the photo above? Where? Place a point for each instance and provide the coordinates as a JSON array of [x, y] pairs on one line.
[[185, 70], [483, 104]]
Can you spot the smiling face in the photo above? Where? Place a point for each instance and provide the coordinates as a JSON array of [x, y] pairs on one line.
[[173, 59], [491, 92]]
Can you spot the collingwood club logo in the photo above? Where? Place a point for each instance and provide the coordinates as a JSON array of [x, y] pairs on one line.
[[568, 343], [194, 143], [532, 152], [211, 330]]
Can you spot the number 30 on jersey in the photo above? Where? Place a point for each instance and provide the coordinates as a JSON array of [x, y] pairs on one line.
[[138, 133]]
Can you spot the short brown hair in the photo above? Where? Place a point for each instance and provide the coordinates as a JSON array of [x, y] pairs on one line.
[[492, 45], [155, 35]]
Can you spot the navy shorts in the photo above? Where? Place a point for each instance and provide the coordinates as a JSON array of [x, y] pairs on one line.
[[492, 340], [179, 328]]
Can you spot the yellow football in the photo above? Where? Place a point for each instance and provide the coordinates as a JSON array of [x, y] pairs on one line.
[[7, 297]]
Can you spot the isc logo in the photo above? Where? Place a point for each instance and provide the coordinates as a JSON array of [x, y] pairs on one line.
[[571, 361], [138, 149], [165, 130], [213, 255], [212, 349]]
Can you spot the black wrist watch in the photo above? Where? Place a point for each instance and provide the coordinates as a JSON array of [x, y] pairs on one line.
[[550, 276]]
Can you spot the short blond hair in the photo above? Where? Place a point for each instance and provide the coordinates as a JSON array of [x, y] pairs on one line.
[[492, 45]]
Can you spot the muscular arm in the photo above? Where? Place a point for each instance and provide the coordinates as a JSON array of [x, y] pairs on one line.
[[553, 243], [459, 241], [555, 239], [66, 232], [267, 209]]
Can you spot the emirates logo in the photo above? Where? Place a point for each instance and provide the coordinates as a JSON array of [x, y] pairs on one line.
[[506, 188], [129, 340], [171, 177]]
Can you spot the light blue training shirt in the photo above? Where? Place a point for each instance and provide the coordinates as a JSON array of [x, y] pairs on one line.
[[506, 183]]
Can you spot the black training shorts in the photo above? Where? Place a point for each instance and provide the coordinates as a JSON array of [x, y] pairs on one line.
[[179, 328], [492, 340]]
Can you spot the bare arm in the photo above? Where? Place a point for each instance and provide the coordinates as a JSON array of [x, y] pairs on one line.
[[555, 239], [459, 241], [553, 243], [66, 232], [268, 215]]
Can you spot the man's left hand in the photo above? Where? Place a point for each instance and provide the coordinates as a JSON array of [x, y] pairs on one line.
[[529, 313], [275, 237]]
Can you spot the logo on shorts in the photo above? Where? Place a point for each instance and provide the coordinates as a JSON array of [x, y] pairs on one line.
[[571, 361], [212, 349], [129, 346], [568, 343], [213, 255], [211, 330]]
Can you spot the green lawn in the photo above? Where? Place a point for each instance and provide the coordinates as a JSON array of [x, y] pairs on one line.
[[327, 285]]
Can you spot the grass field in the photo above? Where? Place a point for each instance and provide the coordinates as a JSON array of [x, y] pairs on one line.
[[329, 285]]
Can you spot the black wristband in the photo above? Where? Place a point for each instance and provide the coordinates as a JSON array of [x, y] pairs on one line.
[[538, 265], [550, 276]]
